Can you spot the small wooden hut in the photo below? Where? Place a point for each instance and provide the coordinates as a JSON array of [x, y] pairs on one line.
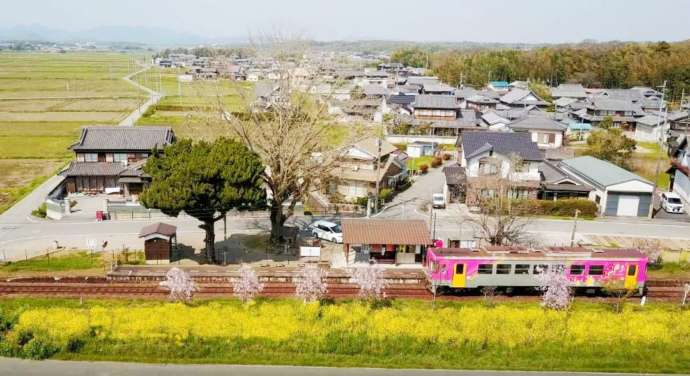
[[159, 240]]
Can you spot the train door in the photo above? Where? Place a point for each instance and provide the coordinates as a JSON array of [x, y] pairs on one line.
[[631, 277], [458, 275]]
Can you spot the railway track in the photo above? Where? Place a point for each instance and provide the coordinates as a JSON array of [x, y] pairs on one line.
[[101, 287], [139, 290]]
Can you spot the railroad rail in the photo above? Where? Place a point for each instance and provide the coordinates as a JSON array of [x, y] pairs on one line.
[[104, 288]]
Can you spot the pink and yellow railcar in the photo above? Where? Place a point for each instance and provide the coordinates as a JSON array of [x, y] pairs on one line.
[[515, 267]]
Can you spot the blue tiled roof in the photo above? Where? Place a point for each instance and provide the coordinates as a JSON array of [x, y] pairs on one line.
[[499, 84]]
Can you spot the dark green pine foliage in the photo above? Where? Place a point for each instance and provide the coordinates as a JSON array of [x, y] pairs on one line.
[[205, 180]]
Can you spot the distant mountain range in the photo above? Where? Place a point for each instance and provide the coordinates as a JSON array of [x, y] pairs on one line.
[[111, 34]]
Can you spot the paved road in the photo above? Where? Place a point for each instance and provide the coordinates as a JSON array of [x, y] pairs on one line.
[[406, 203], [154, 97], [22, 209], [69, 368]]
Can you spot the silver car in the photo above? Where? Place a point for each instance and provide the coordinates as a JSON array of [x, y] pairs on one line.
[[438, 201]]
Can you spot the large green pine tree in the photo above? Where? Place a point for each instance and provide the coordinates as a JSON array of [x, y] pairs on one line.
[[205, 180]]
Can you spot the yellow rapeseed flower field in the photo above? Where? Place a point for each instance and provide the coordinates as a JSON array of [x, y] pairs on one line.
[[509, 326], [404, 334]]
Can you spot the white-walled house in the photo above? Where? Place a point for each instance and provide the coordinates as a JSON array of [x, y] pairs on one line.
[[650, 128], [617, 191], [680, 170], [488, 156], [546, 132], [355, 174]]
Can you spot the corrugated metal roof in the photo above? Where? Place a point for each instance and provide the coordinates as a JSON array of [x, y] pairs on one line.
[[600, 172], [385, 231]]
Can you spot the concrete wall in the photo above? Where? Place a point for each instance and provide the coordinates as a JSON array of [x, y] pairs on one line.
[[681, 186], [408, 139]]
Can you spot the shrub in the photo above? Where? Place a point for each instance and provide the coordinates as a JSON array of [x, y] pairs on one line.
[[401, 147], [446, 157], [6, 321], [362, 201], [561, 208], [41, 211], [385, 194], [436, 162], [39, 349], [423, 168], [404, 184]]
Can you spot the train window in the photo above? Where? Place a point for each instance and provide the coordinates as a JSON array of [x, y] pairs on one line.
[[522, 269], [486, 269], [538, 269], [596, 270], [459, 268], [503, 268], [632, 269], [577, 269]]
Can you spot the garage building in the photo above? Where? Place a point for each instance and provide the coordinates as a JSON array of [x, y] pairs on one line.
[[617, 192]]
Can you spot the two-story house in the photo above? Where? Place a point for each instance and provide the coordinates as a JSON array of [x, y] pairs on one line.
[[110, 159], [546, 132], [522, 98], [623, 112], [356, 175], [443, 115], [680, 169], [498, 163], [435, 107]]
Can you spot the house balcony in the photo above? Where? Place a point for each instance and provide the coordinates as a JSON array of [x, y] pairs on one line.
[[525, 176]]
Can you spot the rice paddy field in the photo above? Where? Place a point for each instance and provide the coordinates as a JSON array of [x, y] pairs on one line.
[[45, 98], [191, 108], [401, 334]]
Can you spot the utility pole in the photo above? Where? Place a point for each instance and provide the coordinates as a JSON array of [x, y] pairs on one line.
[[682, 99], [378, 177], [661, 143], [572, 234], [434, 236]]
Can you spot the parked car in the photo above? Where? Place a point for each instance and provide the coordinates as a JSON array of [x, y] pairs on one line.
[[327, 230], [671, 202], [438, 200]]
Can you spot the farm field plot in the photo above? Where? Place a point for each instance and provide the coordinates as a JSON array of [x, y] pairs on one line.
[[401, 334], [45, 98], [191, 108]]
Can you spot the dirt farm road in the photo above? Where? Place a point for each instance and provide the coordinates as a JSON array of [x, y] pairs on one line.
[[20, 367]]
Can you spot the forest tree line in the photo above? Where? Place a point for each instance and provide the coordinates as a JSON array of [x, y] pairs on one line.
[[240, 52], [611, 65]]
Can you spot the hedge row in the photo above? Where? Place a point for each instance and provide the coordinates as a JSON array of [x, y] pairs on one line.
[[561, 208]]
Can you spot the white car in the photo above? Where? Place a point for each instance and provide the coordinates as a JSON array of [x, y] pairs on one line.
[[671, 202], [327, 231], [438, 200]]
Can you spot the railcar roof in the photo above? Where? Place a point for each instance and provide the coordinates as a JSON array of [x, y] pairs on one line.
[[550, 252]]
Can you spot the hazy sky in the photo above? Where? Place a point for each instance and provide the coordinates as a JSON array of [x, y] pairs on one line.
[[418, 20]]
